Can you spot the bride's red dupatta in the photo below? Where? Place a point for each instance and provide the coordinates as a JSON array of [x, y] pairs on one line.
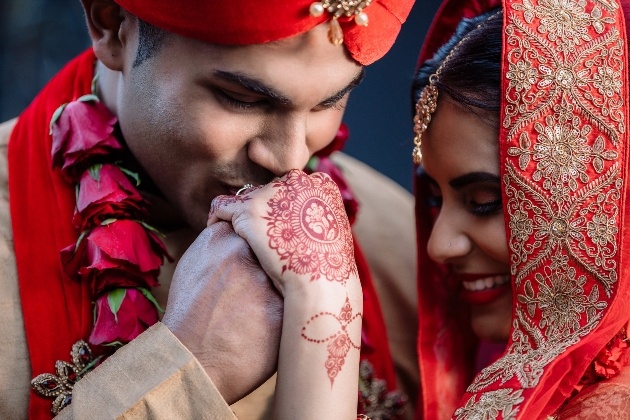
[[567, 234]]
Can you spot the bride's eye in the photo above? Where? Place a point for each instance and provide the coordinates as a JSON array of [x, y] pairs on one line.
[[484, 202], [487, 208]]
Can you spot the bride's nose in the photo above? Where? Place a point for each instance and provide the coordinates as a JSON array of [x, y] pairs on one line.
[[448, 240]]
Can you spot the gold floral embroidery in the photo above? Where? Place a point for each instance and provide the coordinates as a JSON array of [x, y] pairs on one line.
[[490, 404], [563, 113], [567, 79], [562, 301], [60, 386], [607, 81], [565, 22], [522, 75], [562, 154], [583, 227], [529, 353]]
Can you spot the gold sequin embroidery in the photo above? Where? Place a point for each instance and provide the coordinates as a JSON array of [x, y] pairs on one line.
[[563, 113]]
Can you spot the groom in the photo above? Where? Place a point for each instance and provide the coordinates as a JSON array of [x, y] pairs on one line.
[[207, 98]]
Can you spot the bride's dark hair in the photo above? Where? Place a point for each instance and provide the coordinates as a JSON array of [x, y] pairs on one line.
[[472, 75]]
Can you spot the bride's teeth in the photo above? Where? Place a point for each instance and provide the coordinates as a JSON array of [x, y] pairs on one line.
[[487, 283]]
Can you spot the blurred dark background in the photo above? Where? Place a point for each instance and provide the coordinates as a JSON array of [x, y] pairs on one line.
[[38, 36]]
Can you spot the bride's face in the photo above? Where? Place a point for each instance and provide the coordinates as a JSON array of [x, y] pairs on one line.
[[461, 157]]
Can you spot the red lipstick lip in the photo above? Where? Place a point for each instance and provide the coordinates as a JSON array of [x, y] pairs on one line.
[[482, 297]]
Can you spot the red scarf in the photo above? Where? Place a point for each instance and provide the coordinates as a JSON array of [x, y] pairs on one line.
[[57, 311]]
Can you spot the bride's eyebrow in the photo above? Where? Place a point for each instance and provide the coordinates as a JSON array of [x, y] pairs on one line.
[[472, 178]]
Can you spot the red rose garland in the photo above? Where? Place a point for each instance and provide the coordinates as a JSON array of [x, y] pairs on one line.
[[117, 253]]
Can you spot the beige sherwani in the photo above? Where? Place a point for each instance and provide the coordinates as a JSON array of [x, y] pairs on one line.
[[155, 376]]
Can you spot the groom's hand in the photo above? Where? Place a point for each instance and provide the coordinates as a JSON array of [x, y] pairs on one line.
[[224, 309]]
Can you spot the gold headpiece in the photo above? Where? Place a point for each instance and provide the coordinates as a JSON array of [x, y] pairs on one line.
[[339, 8], [425, 107], [427, 103]]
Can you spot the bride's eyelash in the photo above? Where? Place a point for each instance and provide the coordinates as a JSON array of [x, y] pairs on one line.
[[486, 209]]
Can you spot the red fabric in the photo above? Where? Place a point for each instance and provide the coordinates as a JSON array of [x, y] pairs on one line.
[[56, 310], [375, 347], [448, 16], [445, 344], [255, 22]]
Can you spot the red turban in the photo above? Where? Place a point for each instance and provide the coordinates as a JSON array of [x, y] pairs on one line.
[[242, 22]]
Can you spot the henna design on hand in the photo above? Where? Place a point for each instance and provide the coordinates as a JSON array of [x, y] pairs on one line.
[[309, 229], [339, 342]]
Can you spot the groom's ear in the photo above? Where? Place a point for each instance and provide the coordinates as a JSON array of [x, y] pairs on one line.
[[110, 29]]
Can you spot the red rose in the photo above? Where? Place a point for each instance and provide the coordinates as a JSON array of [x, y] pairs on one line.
[[122, 247], [104, 193], [81, 130], [122, 315], [338, 142]]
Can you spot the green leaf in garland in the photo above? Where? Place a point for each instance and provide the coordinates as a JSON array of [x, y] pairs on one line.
[[90, 365], [108, 221], [95, 172], [89, 98], [147, 294], [81, 236], [56, 116], [115, 299], [151, 228], [94, 82], [130, 174], [312, 163]]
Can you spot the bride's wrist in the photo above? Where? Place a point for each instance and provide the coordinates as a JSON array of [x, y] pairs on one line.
[[304, 287]]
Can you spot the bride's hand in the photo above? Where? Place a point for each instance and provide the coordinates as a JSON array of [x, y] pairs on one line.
[[298, 229], [296, 226]]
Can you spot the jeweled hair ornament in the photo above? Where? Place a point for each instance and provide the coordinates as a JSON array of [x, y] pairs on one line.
[[340, 8], [426, 106], [427, 103]]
